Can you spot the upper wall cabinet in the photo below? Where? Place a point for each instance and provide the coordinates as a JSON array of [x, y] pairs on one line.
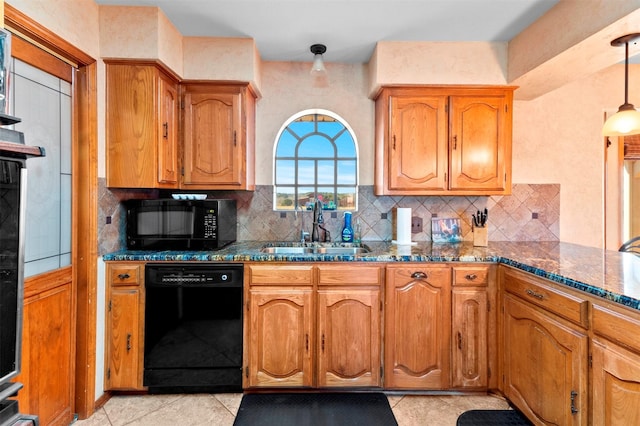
[[141, 126], [219, 140], [446, 140]]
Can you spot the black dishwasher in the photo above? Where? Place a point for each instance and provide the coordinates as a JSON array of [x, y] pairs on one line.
[[193, 328]]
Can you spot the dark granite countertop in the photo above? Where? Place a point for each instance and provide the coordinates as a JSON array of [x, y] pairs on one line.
[[608, 274]]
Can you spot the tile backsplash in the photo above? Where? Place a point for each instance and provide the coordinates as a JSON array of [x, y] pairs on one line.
[[530, 213]]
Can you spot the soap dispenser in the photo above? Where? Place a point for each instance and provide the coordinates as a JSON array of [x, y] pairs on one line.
[[347, 231]]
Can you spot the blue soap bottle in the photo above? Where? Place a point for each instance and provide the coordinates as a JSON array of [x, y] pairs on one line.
[[347, 230]]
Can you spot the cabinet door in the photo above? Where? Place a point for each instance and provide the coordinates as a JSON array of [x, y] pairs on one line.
[[348, 337], [469, 350], [124, 367], [417, 143], [545, 365], [616, 385], [137, 154], [214, 156], [281, 340], [480, 143], [417, 327], [168, 131]]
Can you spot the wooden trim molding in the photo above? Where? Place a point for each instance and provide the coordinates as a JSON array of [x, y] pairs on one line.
[[20, 24]]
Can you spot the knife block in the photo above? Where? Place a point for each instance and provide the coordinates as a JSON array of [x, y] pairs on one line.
[[480, 237]]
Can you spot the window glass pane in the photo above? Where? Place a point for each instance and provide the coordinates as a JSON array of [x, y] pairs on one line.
[[326, 169], [346, 147], [327, 196], [347, 198], [286, 145], [301, 128], [285, 172], [330, 128], [346, 172], [306, 197], [316, 146], [306, 172], [285, 198]]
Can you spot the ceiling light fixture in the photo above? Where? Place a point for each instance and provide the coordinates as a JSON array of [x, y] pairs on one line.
[[627, 120], [318, 69]]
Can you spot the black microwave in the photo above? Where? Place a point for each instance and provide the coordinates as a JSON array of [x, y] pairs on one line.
[[169, 224]]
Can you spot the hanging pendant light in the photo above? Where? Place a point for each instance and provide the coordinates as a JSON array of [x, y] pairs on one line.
[[627, 120], [318, 69]]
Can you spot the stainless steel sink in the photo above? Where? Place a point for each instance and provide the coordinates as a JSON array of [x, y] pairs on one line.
[[314, 250], [287, 250]]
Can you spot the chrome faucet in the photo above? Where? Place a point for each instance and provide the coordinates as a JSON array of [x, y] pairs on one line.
[[303, 234], [318, 220]]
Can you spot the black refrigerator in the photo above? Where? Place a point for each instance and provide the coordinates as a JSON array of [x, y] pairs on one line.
[[13, 188]]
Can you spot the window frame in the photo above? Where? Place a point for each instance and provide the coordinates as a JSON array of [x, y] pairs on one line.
[[336, 158]]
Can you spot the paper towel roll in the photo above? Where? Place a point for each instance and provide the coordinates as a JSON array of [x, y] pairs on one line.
[[403, 226]]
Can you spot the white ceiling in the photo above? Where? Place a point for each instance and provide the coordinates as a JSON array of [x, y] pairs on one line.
[[284, 29]]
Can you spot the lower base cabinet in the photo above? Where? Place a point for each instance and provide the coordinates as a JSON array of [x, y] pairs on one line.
[[417, 327], [544, 351], [313, 326], [616, 385], [124, 329]]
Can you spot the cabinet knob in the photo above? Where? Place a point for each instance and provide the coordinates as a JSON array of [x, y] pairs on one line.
[[471, 277], [419, 275], [124, 276]]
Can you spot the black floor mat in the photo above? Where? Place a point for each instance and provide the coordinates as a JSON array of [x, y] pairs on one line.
[[492, 418], [311, 409]]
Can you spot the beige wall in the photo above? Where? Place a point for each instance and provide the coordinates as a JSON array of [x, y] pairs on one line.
[[556, 136]]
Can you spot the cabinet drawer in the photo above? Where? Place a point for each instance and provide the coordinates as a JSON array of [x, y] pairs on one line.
[[351, 275], [616, 326], [535, 291], [125, 274], [280, 274], [471, 276]]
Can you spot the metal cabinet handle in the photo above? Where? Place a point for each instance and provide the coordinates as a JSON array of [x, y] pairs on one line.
[[394, 142], [128, 342], [535, 294], [574, 410], [322, 342], [124, 276], [471, 277], [165, 130], [419, 275], [459, 341], [455, 142], [306, 342]]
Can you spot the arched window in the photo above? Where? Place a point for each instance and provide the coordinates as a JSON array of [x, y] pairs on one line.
[[315, 157]]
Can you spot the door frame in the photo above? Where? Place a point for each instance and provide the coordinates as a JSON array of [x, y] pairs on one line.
[[84, 243]]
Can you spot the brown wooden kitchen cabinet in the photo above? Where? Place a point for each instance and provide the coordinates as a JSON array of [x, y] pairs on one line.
[[545, 350], [615, 349], [470, 326], [124, 328], [440, 140], [417, 327], [219, 136], [289, 345], [141, 125]]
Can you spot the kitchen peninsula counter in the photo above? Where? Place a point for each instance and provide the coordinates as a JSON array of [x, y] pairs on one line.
[[603, 273]]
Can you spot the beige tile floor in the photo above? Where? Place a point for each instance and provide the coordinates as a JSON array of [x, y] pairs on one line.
[[220, 409]]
